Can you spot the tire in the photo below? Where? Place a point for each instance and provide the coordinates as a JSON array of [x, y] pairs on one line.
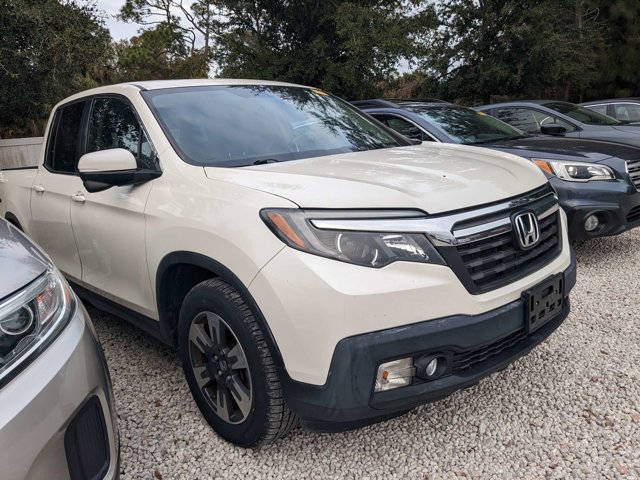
[[232, 375]]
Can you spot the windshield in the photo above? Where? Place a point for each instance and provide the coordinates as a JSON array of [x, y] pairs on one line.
[[582, 114], [227, 126], [465, 125]]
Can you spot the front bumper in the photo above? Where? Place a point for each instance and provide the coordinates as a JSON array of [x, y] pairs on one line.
[[57, 417], [616, 203], [347, 399]]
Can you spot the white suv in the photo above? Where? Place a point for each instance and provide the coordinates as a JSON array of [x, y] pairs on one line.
[[308, 262]]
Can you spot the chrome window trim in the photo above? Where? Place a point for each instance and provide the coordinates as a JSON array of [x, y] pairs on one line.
[[441, 229]]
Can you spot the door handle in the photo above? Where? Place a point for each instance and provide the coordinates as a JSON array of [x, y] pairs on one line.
[[38, 188], [78, 197]]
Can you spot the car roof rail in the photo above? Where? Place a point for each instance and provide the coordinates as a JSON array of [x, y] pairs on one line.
[[374, 103], [401, 101]]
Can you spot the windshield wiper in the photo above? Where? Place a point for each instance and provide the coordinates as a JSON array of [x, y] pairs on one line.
[[264, 161]]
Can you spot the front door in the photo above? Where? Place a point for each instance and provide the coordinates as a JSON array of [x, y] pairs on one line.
[[109, 226]]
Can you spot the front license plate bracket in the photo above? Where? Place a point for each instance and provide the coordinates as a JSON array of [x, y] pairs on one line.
[[543, 302]]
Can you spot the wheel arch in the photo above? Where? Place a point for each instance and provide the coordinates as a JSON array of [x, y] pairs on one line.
[[189, 269]]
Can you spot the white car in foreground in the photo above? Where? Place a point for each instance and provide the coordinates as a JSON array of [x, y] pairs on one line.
[[308, 262]]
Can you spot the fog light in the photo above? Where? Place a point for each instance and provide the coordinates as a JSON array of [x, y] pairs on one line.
[[591, 223], [395, 374], [431, 368]]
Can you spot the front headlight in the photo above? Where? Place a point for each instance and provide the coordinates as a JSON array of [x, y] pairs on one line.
[[31, 319], [310, 231], [575, 171]]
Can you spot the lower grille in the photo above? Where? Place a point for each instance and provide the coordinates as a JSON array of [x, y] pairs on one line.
[[633, 167], [633, 215], [464, 360], [87, 444]]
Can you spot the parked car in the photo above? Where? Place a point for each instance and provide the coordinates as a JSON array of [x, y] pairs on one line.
[[295, 251], [627, 110], [550, 117], [597, 182], [57, 418]]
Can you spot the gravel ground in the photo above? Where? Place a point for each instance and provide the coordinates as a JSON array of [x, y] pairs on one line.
[[570, 409]]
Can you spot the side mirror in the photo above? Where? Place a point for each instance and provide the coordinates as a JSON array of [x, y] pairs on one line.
[[552, 129], [115, 167]]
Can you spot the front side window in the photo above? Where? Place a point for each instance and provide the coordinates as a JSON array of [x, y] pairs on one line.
[[529, 120], [63, 151], [581, 114], [402, 126], [113, 124], [464, 125], [627, 112], [229, 126]]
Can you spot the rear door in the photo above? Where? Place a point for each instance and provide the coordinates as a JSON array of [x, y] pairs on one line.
[[109, 226], [55, 184]]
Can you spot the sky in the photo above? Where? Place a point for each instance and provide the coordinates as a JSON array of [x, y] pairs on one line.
[[119, 30]]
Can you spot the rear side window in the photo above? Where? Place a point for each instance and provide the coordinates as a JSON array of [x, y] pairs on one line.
[[64, 147], [113, 124], [601, 109]]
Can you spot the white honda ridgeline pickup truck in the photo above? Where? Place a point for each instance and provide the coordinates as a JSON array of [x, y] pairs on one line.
[[307, 262]]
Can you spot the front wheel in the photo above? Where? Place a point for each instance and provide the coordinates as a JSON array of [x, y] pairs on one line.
[[229, 367]]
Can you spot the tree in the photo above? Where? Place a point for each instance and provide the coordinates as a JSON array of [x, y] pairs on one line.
[[200, 19], [486, 48], [618, 63], [48, 50], [158, 53], [342, 46]]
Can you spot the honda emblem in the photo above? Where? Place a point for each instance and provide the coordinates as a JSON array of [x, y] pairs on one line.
[[527, 230]]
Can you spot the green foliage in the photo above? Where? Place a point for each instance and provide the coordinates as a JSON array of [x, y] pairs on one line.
[[158, 53], [487, 48], [48, 50], [619, 63], [342, 46]]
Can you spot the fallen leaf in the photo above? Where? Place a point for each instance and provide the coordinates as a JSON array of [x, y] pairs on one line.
[[157, 474], [158, 403], [603, 352]]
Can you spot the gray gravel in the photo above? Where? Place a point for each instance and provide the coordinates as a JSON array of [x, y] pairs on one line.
[[570, 409]]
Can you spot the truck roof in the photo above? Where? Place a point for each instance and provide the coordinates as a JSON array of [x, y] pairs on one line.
[[159, 84]]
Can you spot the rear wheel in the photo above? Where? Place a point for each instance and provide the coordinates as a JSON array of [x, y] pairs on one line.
[[229, 367]]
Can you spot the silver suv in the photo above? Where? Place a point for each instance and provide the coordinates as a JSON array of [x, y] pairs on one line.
[[57, 417]]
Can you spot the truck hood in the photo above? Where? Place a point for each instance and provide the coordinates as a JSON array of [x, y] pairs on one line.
[[20, 261], [565, 148], [432, 177]]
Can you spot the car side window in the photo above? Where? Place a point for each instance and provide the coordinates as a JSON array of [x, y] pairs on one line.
[[113, 124], [63, 150], [529, 120], [403, 127], [627, 112]]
